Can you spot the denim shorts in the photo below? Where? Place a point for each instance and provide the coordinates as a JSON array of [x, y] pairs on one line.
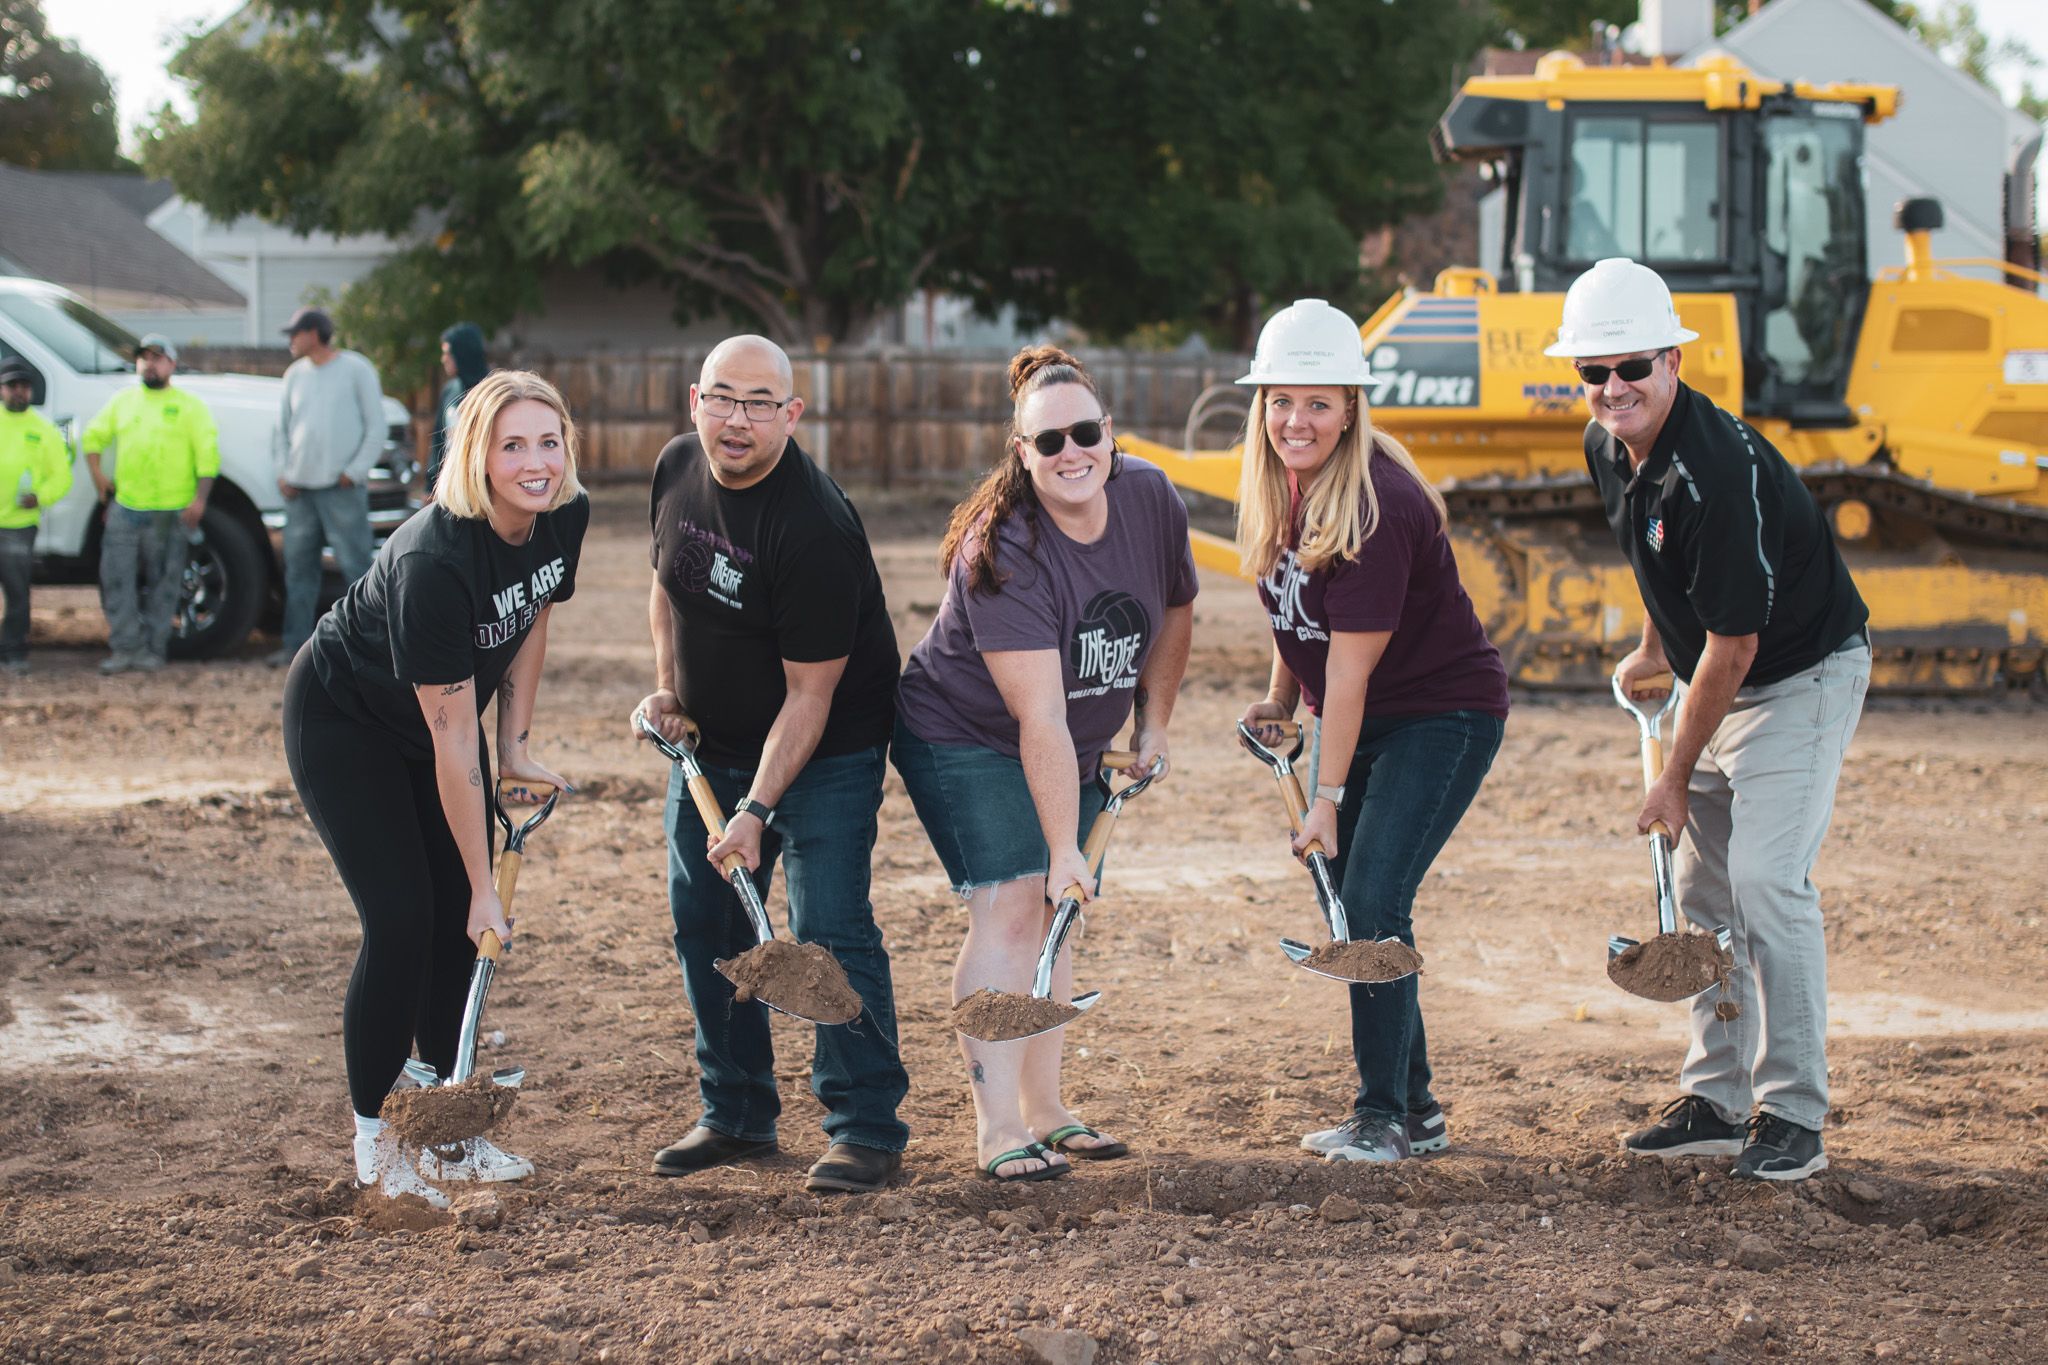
[[977, 809]]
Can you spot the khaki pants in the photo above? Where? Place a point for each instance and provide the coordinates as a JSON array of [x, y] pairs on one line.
[[1761, 798]]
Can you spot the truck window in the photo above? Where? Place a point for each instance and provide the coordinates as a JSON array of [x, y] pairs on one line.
[[85, 341], [1650, 190], [1814, 243]]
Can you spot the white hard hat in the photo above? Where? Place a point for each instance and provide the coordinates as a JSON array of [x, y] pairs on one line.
[[1618, 307], [1309, 342]]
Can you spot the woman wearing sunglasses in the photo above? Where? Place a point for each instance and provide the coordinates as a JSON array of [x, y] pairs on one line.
[[1069, 601], [1372, 629]]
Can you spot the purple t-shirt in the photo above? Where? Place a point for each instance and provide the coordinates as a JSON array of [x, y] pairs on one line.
[[1100, 605], [1404, 580]]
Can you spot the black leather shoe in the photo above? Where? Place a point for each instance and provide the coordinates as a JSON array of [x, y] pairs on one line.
[[851, 1169], [704, 1148]]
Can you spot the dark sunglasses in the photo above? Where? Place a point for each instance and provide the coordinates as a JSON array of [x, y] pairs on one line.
[[1631, 371], [1053, 440]]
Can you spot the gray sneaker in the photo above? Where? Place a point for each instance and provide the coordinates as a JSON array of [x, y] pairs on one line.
[[1373, 1138], [117, 663], [1427, 1132]]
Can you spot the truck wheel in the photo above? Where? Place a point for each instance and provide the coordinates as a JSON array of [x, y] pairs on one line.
[[227, 581]]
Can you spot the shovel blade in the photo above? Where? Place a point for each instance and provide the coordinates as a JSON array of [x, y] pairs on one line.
[[419, 1073], [1618, 944], [1298, 953], [1080, 1004]]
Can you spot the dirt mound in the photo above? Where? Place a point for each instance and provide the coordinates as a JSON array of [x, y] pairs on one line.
[[999, 1017], [801, 978], [1670, 966], [448, 1113], [407, 1213], [1386, 960]]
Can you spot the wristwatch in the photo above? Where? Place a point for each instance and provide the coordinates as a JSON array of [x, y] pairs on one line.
[[760, 810], [1334, 795]]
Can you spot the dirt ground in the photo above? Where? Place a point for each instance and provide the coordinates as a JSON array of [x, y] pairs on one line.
[[174, 1162]]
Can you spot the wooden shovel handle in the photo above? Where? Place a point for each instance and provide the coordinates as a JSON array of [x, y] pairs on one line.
[[1097, 845], [1653, 748], [489, 945], [1297, 808], [541, 790], [508, 879], [1117, 758], [708, 811]]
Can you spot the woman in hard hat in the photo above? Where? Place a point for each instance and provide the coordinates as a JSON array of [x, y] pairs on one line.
[[1373, 630], [383, 736], [1069, 603]]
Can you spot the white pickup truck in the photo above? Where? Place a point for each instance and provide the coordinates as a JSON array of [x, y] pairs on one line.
[[233, 578]]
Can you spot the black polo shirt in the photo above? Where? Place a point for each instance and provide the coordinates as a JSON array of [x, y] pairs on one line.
[[1725, 538]]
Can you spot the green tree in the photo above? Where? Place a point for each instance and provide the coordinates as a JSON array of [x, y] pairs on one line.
[[56, 105], [806, 165]]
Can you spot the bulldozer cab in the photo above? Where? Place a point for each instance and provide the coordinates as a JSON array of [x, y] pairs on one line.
[[1721, 182]]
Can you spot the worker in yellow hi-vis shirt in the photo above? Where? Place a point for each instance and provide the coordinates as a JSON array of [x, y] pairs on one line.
[[166, 454], [35, 471]]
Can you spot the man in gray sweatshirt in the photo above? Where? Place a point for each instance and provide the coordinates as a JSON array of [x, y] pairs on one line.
[[330, 430]]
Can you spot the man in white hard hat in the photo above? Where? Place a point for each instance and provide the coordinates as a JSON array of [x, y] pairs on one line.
[[1749, 603]]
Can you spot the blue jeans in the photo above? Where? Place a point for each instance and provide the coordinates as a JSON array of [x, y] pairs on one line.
[[337, 517], [142, 572], [825, 832], [17, 558], [1410, 782]]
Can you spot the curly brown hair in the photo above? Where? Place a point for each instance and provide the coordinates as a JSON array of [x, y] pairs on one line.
[[1007, 489]]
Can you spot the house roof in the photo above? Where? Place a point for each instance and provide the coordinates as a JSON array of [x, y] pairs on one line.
[[86, 232]]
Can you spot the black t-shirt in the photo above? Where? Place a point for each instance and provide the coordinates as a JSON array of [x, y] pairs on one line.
[[445, 599], [754, 576], [1724, 537]]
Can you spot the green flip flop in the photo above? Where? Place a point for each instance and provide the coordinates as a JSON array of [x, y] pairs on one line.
[[1037, 1151], [1108, 1151]]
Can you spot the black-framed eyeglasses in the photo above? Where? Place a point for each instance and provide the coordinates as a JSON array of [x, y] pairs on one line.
[[1087, 435], [758, 409], [1631, 371]]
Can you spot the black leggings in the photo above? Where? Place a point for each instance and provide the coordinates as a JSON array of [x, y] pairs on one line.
[[379, 813]]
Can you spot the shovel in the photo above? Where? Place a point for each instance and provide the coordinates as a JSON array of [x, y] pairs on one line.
[[1649, 726], [734, 867], [1315, 855], [488, 946], [1069, 907]]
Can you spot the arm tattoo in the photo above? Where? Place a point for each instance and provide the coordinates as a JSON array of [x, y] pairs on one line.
[[523, 734], [452, 689], [441, 720], [475, 778], [975, 1072], [1139, 702], [506, 690]]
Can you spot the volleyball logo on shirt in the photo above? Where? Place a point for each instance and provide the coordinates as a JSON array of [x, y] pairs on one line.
[[706, 562], [1108, 641], [1282, 590]]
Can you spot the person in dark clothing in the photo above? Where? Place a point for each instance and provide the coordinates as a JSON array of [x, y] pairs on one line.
[[383, 735], [464, 362], [772, 636]]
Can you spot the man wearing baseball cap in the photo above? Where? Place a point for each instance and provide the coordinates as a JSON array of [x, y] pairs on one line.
[[166, 453], [1749, 603], [330, 428], [35, 471]]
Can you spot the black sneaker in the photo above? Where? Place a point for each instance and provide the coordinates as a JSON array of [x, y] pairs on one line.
[[1779, 1149], [1427, 1131], [1687, 1127]]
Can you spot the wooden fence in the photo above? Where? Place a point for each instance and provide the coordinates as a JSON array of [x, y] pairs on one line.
[[872, 417]]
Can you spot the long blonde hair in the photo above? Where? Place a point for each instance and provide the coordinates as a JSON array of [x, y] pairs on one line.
[[464, 487], [1331, 528]]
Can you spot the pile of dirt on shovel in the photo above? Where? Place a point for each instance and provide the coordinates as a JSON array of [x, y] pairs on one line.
[[803, 979], [999, 1017], [1386, 960], [437, 1114], [1670, 966]]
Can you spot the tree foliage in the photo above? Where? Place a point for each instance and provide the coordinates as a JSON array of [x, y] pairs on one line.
[[56, 105], [803, 166]]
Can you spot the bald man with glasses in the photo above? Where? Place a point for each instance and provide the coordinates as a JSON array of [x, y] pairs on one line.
[[771, 635]]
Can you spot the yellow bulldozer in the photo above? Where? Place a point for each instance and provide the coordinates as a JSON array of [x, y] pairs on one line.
[[1913, 401]]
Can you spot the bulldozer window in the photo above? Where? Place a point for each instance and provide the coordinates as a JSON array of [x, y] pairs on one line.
[[1813, 275], [1647, 189]]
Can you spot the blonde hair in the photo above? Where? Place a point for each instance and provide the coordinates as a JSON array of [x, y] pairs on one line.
[[1331, 527], [464, 487]]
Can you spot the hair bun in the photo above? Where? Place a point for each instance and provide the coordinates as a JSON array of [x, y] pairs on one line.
[[1032, 359]]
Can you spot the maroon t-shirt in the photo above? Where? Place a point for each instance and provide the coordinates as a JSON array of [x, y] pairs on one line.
[[1403, 580], [1100, 605]]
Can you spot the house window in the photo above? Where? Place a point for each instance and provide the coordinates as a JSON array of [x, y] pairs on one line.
[[1643, 188]]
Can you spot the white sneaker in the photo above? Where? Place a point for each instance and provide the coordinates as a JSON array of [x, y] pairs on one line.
[[1373, 1139], [473, 1159], [382, 1162]]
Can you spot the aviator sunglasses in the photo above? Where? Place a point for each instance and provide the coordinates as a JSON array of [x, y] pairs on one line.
[[1631, 371], [1087, 435]]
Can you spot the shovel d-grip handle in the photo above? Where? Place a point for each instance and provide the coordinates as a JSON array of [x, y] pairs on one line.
[[507, 876]]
